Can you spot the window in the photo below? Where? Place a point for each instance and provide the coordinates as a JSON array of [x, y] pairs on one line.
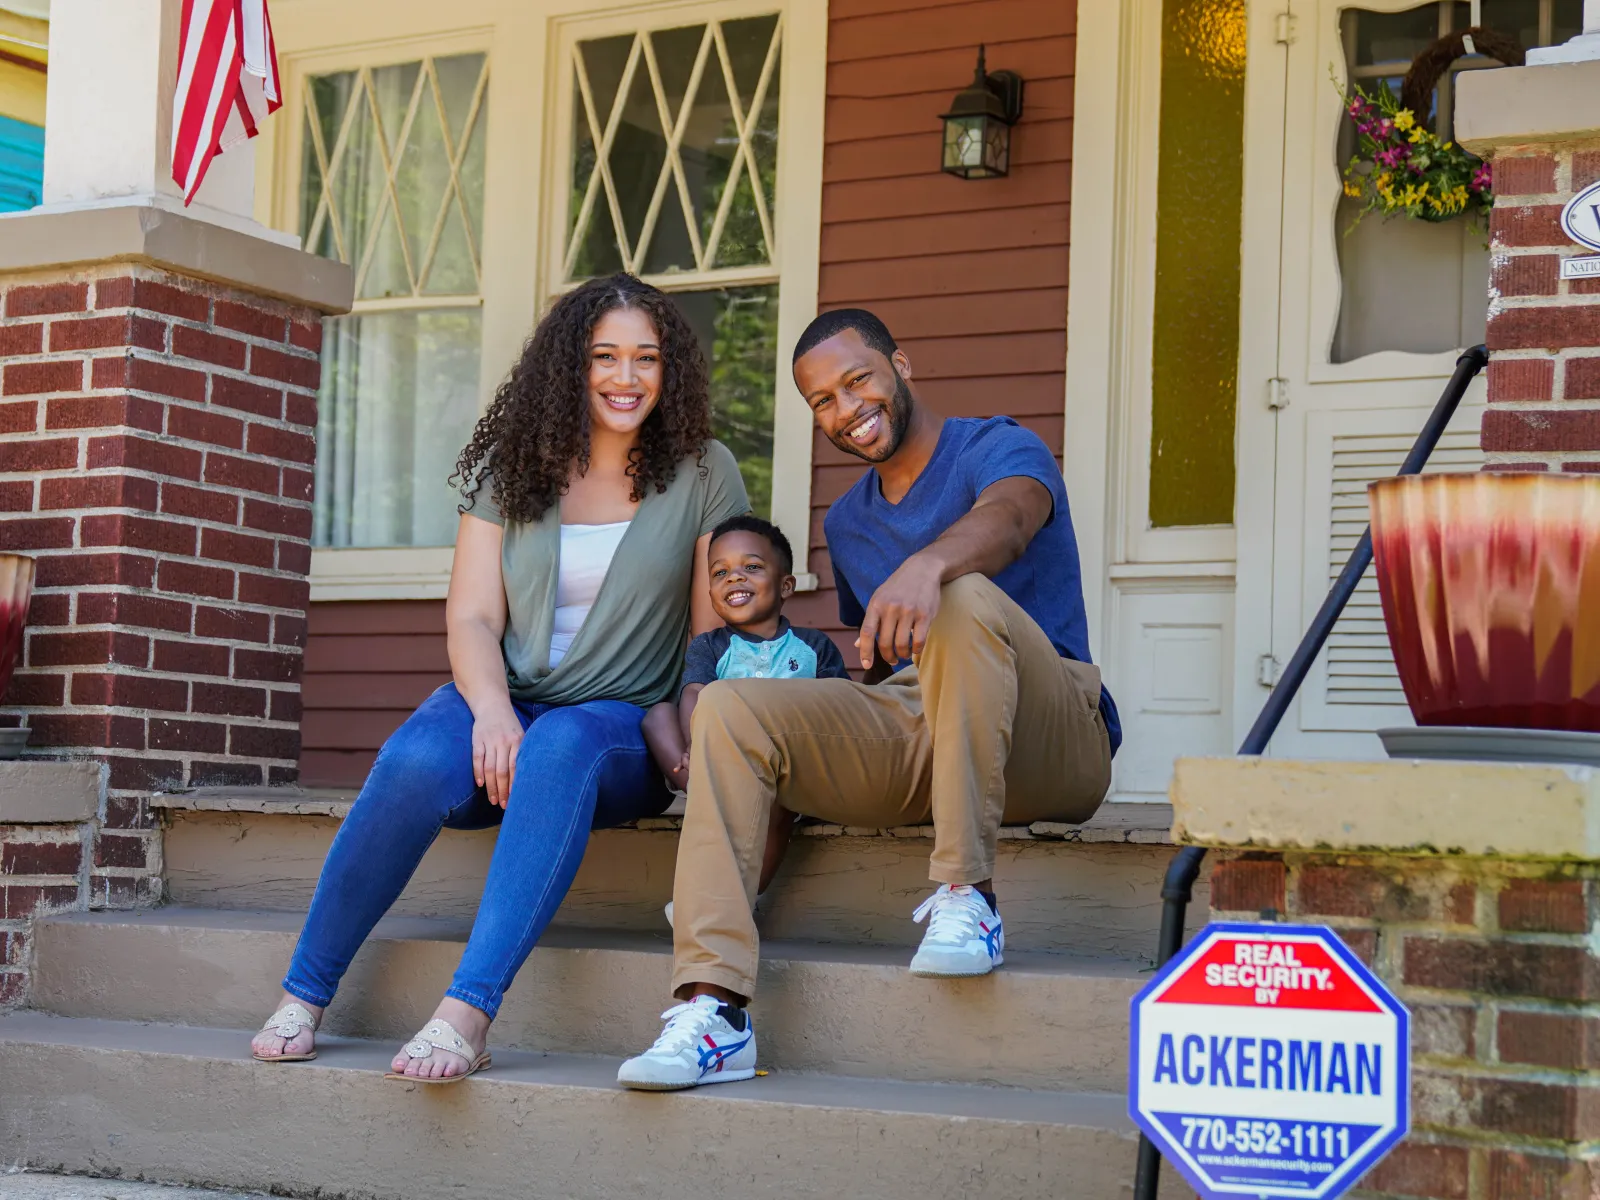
[[1195, 340], [1411, 285], [392, 183], [672, 174]]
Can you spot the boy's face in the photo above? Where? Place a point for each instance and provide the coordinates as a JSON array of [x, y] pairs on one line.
[[746, 587]]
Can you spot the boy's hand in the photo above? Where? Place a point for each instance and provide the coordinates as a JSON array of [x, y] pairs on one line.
[[900, 612], [680, 773], [495, 740]]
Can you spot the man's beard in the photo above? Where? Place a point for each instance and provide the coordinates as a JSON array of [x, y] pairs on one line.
[[899, 418]]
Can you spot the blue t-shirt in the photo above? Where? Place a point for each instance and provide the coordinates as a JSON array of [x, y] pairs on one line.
[[733, 654], [868, 538]]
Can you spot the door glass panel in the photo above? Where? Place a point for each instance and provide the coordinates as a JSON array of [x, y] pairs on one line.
[[1414, 285], [1199, 193]]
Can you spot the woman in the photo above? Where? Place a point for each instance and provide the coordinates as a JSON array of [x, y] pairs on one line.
[[591, 488]]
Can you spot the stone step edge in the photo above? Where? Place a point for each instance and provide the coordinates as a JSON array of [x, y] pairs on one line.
[[590, 940], [1130, 824], [524, 1068]]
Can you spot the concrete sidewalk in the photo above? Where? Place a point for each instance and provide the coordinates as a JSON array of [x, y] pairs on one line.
[[31, 1186]]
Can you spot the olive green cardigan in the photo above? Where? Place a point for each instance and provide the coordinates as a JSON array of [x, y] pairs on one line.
[[630, 646]]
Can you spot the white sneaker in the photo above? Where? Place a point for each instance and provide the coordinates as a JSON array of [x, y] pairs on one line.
[[964, 937], [697, 1046]]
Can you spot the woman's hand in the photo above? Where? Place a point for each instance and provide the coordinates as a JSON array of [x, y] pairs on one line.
[[495, 739]]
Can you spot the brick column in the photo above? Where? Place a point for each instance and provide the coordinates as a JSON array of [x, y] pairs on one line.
[[157, 419], [1496, 961], [155, 454], [1544, 331]]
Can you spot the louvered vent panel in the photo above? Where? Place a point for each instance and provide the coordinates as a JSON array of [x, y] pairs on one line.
[[1360, 667]]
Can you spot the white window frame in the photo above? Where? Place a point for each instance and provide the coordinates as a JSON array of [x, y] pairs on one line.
[[796, 217], [336, 35]]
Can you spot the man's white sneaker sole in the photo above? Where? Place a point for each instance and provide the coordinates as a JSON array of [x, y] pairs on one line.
[[937, 966], [678, 1085]]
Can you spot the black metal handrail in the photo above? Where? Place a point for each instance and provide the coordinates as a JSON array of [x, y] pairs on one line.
[[1177, 889]]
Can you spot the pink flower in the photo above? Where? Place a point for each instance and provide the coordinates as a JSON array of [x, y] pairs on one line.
[[1482, 178], [1394, 156]]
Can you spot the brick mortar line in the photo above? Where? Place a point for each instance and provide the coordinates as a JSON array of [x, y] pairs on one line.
[[214, 407], [164, 514], [161, 556], [142, 631], [173, 321], [1560, 300], [110, 350], [123, 671], [142, 473]]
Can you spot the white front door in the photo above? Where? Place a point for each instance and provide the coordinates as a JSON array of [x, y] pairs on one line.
[[1356, 334]]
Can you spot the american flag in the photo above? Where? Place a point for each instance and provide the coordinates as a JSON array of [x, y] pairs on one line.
[[227, 83]]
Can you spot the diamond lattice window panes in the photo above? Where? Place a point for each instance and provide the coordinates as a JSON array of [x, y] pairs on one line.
[[392, 179], [675, 150], [674, 177], [393, 174]]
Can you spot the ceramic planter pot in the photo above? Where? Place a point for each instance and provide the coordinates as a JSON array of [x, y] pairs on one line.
[[16, 586], [1490, 587]]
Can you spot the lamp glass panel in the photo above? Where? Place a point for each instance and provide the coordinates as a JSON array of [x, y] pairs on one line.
[[997, 156]]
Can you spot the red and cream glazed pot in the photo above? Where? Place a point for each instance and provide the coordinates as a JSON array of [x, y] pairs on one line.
[[16, 586], [1491, 594]]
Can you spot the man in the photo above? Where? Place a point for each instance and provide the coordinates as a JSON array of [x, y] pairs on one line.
[[954, 556]]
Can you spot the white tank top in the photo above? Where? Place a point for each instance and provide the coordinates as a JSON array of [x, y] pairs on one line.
[[586, 553]]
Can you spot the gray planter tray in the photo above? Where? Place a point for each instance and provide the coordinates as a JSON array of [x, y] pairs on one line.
[[1477, 744], [11, 742]]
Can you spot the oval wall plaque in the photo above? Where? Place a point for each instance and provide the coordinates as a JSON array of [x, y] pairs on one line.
[[1580, 219]]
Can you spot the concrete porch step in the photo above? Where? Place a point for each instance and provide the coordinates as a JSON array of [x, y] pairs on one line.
[[187, 1105], [1090, 890], [1042, 1020]]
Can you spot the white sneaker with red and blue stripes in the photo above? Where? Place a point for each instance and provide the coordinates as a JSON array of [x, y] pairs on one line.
[[699, 1045], [965, 936]]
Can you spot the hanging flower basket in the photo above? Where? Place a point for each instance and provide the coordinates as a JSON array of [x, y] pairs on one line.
[[1400, 168]]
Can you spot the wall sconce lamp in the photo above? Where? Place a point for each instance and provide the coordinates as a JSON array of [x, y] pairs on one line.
[[977, 129]]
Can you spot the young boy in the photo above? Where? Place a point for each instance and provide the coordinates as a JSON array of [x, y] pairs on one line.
[[752, 568]]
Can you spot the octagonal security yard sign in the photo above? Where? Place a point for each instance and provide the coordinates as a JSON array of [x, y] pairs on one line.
[[1266, 1060]]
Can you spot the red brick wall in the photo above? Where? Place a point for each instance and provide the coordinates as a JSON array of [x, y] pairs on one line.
[[1544, 332], [1496, 963], [970, 276], [42, 869], [155, 455]]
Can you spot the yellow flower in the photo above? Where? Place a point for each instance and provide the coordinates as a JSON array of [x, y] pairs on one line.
[[1418, 134], [1352, 190], [1404, 120]]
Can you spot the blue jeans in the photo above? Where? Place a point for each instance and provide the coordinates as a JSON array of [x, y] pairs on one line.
[[579, 768]]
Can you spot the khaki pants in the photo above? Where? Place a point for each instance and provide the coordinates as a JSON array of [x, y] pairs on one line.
[[992, 725]]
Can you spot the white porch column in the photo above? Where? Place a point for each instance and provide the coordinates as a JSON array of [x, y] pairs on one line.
[[1583, 48], [108, 108]]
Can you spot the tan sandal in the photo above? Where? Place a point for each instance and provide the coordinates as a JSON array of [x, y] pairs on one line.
[[439, 1034], [287, 1023]]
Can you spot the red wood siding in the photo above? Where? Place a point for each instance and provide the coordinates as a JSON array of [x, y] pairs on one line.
[[368, 664], [970, 276]]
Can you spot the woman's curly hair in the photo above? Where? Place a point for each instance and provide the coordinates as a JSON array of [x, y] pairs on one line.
[[538, 425]]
